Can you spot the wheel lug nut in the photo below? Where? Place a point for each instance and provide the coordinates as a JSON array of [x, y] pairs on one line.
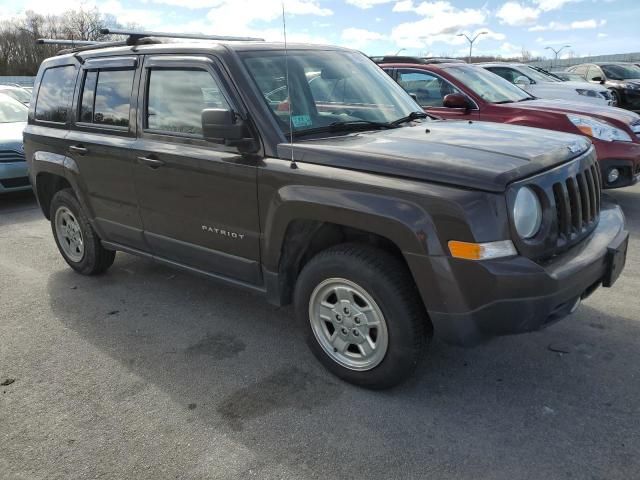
[[355, 332], [344, 331], [338, 318], [346, 310], [357, 320]]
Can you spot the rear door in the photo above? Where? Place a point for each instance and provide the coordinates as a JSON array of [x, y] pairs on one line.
[[198, 199], [100, 141], [429, 90]]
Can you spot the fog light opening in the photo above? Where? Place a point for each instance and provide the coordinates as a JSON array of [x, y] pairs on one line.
[[613, 175]]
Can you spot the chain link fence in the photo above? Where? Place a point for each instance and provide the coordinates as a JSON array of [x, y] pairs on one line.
[[562, 64]]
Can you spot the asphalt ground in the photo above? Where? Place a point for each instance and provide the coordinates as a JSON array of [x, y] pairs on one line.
[[150, 373]]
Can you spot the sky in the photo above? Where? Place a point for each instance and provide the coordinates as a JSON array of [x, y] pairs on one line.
[[377, 27]]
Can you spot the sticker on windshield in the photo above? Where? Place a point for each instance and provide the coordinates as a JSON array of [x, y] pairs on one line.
[[301, 121]]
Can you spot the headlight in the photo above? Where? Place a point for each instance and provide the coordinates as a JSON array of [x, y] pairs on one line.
[[527, 213], [587, 93], [599, 129]]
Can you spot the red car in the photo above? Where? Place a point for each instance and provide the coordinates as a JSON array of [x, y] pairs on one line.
[[461, 91]]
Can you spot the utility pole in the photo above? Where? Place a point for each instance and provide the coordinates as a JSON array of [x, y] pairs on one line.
[[471, 40], [556, 53]]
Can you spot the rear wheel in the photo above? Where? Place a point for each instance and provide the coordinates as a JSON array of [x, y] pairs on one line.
[[616, 98], [362, 314], [76, 239]]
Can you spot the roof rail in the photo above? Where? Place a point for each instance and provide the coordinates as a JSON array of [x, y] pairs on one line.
[[407, 59], [58, 41], [137, 35]]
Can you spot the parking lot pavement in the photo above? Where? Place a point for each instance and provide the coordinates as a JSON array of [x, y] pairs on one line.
[[148, 372]]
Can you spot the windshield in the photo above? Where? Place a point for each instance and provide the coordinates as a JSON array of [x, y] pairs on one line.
[[325, 88], [621, 72], [17, 93], [488, 86], [539, 76], [12, 111]]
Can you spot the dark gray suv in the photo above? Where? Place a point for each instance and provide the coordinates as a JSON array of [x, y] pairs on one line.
[[309, 175]]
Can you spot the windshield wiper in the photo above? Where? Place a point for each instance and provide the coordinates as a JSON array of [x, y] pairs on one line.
[[346, 126], [408, 118]]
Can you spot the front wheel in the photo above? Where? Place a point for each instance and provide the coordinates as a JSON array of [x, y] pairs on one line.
[[362, 314]]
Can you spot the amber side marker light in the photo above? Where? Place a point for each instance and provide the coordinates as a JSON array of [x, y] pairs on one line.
[[482, 251]]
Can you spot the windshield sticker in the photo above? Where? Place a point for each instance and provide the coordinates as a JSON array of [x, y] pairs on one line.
[[301, 121]]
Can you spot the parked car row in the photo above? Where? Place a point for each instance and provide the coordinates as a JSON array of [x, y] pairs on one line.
[[623, 79], [470, 92], [309, 175]]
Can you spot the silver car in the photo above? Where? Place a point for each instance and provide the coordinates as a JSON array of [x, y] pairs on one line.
[[13, 168]]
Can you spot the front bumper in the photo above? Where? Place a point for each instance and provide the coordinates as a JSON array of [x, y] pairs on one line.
[[472, 301], [13, 177], [625, 156]]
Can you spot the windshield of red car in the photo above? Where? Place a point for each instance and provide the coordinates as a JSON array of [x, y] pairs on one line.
[[488, 86], [11, 110]]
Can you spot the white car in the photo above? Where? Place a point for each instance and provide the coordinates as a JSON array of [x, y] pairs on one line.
[[545, 86]]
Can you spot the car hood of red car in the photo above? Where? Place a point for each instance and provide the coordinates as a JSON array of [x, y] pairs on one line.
[[603, 112]]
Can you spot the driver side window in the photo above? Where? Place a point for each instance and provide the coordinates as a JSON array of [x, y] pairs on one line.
[[593, 73], [429, 90]]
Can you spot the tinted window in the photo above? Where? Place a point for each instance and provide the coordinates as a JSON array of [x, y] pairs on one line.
[[113, 92], [54, 96], [506, 73], [176, 99], [429, 89], [86, 109]]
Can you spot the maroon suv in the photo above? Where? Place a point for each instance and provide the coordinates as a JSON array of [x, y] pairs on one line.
[[461, 91]]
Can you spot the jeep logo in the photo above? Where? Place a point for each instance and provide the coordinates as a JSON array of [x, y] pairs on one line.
[[224, 233]]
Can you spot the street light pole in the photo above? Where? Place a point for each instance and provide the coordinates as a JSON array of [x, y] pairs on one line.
[[398, 52], [471, 40], [556, 53]]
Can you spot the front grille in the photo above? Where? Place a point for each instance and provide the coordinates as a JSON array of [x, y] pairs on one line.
[[570, 198], [7, 156], [15, 182], [577, 203]]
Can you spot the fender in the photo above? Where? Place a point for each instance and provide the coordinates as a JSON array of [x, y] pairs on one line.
[[404, 223], [62, 166]]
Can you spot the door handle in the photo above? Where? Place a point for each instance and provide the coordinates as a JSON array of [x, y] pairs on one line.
[[79, 149], [150, 162]]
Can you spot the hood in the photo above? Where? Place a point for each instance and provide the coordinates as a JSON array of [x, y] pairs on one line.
[[585, 86], [602, 111], [478, 155], [11, 135]]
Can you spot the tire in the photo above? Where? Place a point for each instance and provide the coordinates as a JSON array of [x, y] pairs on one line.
[[76, 240], [370, 283]]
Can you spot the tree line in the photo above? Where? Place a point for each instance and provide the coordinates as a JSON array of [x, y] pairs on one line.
[[19, 53]]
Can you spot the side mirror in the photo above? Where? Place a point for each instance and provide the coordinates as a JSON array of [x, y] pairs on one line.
[[221, 125], [522, 80], [597, 79], [456, 100], [414, 96]]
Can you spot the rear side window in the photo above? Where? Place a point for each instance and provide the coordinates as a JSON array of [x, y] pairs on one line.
[[106, 97], [54, 95], [176, 99]]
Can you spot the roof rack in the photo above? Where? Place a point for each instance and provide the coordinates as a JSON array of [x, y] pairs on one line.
[[58, 41], [422, 60], [134, 36]]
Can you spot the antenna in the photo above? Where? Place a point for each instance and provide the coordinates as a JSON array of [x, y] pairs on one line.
[[57, 41], [286, 67]]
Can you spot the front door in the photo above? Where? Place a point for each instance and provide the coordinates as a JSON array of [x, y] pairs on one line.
[[429, 90], [197, 199]]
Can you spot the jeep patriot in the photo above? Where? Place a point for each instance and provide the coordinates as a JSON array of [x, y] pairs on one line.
[[308, 175]]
